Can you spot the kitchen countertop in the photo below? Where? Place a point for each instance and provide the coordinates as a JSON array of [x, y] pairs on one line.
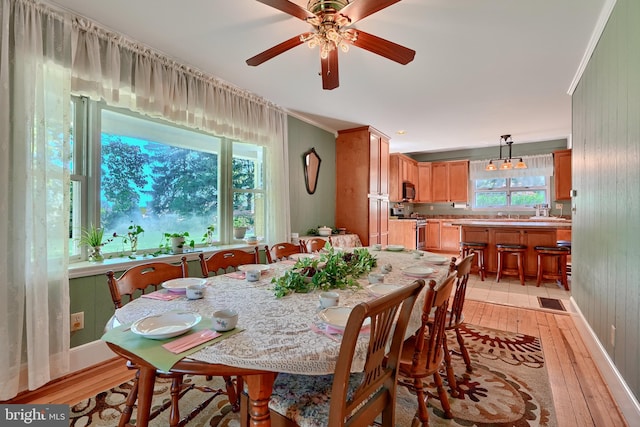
[[511, 223]]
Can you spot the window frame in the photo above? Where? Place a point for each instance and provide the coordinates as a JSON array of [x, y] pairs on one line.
[[509, 190]]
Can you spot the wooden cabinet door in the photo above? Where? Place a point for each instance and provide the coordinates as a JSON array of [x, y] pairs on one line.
[[384, 166], [383, 221], [402, 232], [374, 164], [459, 181], [439, 182], [433, 234], [449, 237], [424, 182], [562, 174]]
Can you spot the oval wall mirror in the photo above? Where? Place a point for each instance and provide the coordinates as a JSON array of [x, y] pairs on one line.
[[311, 162]]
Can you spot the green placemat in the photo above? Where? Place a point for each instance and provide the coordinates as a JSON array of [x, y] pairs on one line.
[[152, 350]]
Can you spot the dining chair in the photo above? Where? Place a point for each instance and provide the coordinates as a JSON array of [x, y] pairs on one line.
[[455, 318], [222, 261], [138, 280], [345, 398], [314, 244], [282, 250], [422, 353]]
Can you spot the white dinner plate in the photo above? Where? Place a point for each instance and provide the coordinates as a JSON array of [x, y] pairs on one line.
[[436, 259], [418, 271], [338, 316], [247, 267], [383, 288], [180, 285], [395, 248], [166, 325], [302, 256]]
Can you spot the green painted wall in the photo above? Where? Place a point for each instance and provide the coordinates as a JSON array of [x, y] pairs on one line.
[[606, 177], [311, 210]]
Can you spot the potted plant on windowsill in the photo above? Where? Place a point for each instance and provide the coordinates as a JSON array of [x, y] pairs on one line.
[[133, 231], [92, 237], [208, 237], [240, 227], [178, 240]]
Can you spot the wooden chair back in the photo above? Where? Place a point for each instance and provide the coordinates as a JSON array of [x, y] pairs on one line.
[[282, 250], [140, 278], [224, 260], [463, 269], [315, 244], [389, 316], [427, 342]]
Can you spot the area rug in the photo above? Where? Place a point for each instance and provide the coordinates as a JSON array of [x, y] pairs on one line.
[[508, 387]]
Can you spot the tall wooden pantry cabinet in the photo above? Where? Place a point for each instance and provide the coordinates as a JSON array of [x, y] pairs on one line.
[[362, 180]]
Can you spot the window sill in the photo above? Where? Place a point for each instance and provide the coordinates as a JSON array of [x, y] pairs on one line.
[[87, 268]]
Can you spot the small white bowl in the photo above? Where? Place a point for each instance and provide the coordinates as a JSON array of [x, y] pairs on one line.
[[224, 320], [324, 231]]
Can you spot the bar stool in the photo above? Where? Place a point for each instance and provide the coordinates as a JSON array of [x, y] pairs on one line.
[[479, 249], [567, 244], [557, 253], [505, 249]]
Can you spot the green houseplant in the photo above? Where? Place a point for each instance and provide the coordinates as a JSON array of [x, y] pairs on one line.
[[177, 241], [133, 231], [240, 225], [93, 238], [208, 236]]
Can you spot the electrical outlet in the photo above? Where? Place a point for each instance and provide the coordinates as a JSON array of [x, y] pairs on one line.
[[559, 206], [77, 321], [613, 336]]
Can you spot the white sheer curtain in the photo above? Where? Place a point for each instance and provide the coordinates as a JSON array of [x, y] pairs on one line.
[[538, 165], [125, 74], [35, 61]]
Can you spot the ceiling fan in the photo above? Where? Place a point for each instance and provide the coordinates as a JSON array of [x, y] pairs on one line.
[[331, 21]]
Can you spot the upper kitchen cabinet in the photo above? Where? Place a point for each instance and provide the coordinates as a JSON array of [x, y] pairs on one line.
[[424, 183], [562, 174], [362, 180], [401, 169], [450, 181]]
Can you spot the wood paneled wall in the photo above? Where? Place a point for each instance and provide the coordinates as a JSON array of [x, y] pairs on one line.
[[606, 176]]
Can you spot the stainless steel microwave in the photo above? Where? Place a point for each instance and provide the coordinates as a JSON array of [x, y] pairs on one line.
[[408, 191]]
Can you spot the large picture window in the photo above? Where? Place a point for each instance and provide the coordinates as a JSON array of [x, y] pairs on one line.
[[167, 180], [516, 192]]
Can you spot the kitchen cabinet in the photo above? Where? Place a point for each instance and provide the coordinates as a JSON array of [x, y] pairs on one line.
[[562, 174], [402, 232], [449, 237], [424, 183], [362, 181], [401, 169], [450, 181], [433, 234]]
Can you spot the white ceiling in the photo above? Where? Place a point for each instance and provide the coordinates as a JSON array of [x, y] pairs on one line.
[[483, 68]]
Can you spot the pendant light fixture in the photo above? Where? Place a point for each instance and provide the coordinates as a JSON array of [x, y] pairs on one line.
[[506, 163]]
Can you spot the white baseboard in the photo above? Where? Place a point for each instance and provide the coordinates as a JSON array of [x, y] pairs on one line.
[[619, 389], [89, 354]]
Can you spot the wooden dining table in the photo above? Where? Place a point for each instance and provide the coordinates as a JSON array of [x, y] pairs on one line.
[[277, 334]]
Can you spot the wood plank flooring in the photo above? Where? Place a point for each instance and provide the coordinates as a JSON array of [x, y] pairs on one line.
[[580, 395]]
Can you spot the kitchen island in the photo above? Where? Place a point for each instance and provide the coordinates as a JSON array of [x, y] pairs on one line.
[[531, 233]]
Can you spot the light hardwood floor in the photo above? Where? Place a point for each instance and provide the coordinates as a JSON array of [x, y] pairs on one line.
[[580, 395]]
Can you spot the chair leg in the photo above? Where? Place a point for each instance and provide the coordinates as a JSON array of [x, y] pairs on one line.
[[563, 271], [233, 392], [521, 267], [442, 395], [451, 377], [463, 350], [480, 255], [539, 275], [174, 415], [499, 273], [130, 402], [422, 414]]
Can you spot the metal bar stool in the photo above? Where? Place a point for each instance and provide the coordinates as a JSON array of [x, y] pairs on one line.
[[505, 249], [559, 254], [480, 250]]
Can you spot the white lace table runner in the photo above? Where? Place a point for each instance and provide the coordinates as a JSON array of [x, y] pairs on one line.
[[276, 333]]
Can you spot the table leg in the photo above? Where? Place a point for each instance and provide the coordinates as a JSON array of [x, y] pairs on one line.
[[146, 381], [260, 388]]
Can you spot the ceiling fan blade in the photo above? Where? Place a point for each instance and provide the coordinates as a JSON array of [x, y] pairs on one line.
[[287, 7], [274, 51], [330, 79], [382, 47], [360, 9]]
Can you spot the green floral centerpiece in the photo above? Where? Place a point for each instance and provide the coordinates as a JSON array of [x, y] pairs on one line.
[[333, 270]]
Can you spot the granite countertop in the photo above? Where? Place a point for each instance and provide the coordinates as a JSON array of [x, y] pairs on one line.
[[510, 223]]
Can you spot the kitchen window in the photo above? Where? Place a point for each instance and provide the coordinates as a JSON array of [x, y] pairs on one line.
[[165, 178], [515, 189]]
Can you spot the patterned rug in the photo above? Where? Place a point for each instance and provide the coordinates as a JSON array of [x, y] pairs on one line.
[[509, 386]]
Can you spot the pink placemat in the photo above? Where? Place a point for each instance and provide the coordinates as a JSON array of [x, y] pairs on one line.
[[161, 296], [189, 341], [236, 275]]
